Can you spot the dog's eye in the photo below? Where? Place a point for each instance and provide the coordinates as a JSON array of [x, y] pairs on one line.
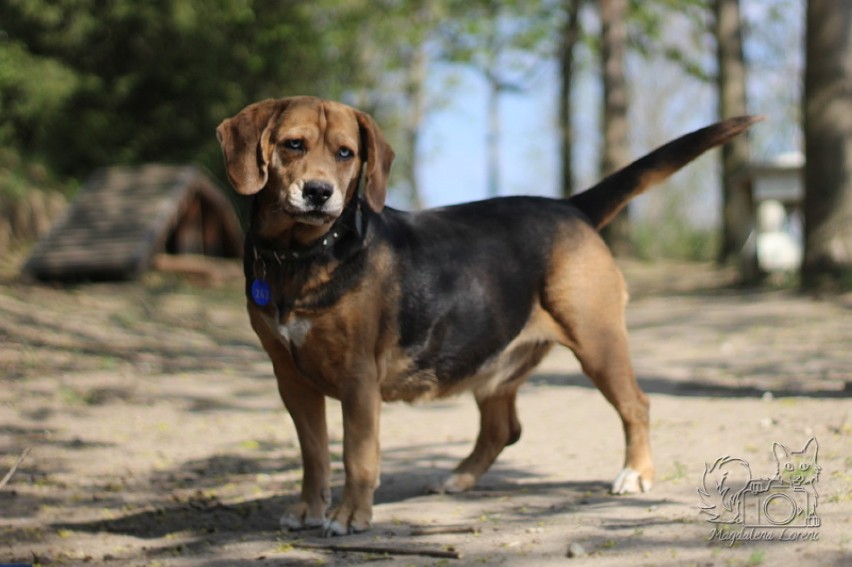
[[345, 153], [295, 145]]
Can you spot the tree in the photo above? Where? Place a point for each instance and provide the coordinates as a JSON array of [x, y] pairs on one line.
[[616, 150], [423, 20], [504, 41], [828, 144], [418, 23], [392, 59], [737, 202], [149, 81], [569, 37]]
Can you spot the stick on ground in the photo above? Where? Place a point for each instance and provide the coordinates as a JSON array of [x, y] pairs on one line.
[[390, 550], [440, 530], [14, 468]]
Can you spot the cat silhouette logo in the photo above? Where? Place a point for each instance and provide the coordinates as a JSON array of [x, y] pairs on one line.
[[729, 494]]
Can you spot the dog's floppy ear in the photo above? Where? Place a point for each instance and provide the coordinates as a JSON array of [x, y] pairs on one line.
[[245, 144], [379, 156]]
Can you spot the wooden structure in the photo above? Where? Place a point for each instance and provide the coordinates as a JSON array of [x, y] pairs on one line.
[[780, 180], [124, 216], [779, 197]]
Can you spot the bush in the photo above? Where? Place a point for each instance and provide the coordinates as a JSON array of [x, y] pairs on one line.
[[674, 239]]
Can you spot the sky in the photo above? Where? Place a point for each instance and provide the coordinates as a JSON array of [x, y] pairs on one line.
[[664, 104]]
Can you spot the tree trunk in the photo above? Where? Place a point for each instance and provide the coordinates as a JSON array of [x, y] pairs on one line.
[[828, 145], [569, 37], [737, 201], [492, 77], [616, 152], [493, 137], [415, 92]]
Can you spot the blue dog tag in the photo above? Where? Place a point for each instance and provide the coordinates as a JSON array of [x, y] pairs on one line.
[[260, 292]]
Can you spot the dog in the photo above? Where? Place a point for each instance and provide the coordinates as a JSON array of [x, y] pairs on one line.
[[364, 303]]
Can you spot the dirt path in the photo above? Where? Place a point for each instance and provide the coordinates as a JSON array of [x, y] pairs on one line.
[[157, 437]]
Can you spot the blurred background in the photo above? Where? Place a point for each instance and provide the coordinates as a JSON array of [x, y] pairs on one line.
[[478, 97]]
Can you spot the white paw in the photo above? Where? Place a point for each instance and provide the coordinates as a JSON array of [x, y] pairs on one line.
[[456, 483], [629, 481], [293, 523], [333, 528]]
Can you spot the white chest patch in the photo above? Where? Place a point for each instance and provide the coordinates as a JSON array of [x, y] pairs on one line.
[[294, 331]]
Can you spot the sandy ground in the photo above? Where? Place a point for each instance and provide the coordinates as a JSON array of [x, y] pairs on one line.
[[157, 438]]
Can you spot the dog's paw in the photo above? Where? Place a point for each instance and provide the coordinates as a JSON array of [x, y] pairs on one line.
[[299, 517], [455, 483], [630, 481], [346, 520]]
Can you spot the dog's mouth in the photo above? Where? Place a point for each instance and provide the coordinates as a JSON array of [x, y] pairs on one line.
[[314, 218], [301, 210]]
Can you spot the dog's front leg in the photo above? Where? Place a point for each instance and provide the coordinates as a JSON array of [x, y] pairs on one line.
[[361, 404], [306, 406]]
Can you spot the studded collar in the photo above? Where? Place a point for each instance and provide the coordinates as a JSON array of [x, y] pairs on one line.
[[351, 221]]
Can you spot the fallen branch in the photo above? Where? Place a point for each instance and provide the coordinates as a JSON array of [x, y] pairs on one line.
[[389, 550], [441, 530], [14, 468]]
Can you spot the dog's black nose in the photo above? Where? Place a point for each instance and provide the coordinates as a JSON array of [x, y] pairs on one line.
[[317, 192]]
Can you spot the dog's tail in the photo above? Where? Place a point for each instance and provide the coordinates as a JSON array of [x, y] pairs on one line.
[[603, 201]]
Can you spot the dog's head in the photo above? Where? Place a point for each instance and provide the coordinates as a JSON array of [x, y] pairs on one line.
[[306, 154]]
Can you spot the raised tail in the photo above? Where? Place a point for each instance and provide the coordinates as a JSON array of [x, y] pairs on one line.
[[603, 201]]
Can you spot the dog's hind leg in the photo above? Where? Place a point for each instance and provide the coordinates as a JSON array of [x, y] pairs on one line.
[[586, 295], [498, 428], [606, 361]]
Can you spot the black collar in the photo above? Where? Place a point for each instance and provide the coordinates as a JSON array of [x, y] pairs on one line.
[[350, 222]]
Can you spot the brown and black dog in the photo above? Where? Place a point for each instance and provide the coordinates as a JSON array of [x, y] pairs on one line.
[[364, 303]]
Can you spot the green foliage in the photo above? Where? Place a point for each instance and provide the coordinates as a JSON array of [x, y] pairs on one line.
[[34, 90], [669, 232], [89, 83], [86, 83], [506, 40], [19, 177], [646, 22], [675, 239]]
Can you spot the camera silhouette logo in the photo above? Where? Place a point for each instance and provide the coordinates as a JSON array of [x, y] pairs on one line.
[[729, 494]]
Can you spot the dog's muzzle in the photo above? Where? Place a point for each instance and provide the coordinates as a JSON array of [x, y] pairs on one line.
[[313, 202]]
